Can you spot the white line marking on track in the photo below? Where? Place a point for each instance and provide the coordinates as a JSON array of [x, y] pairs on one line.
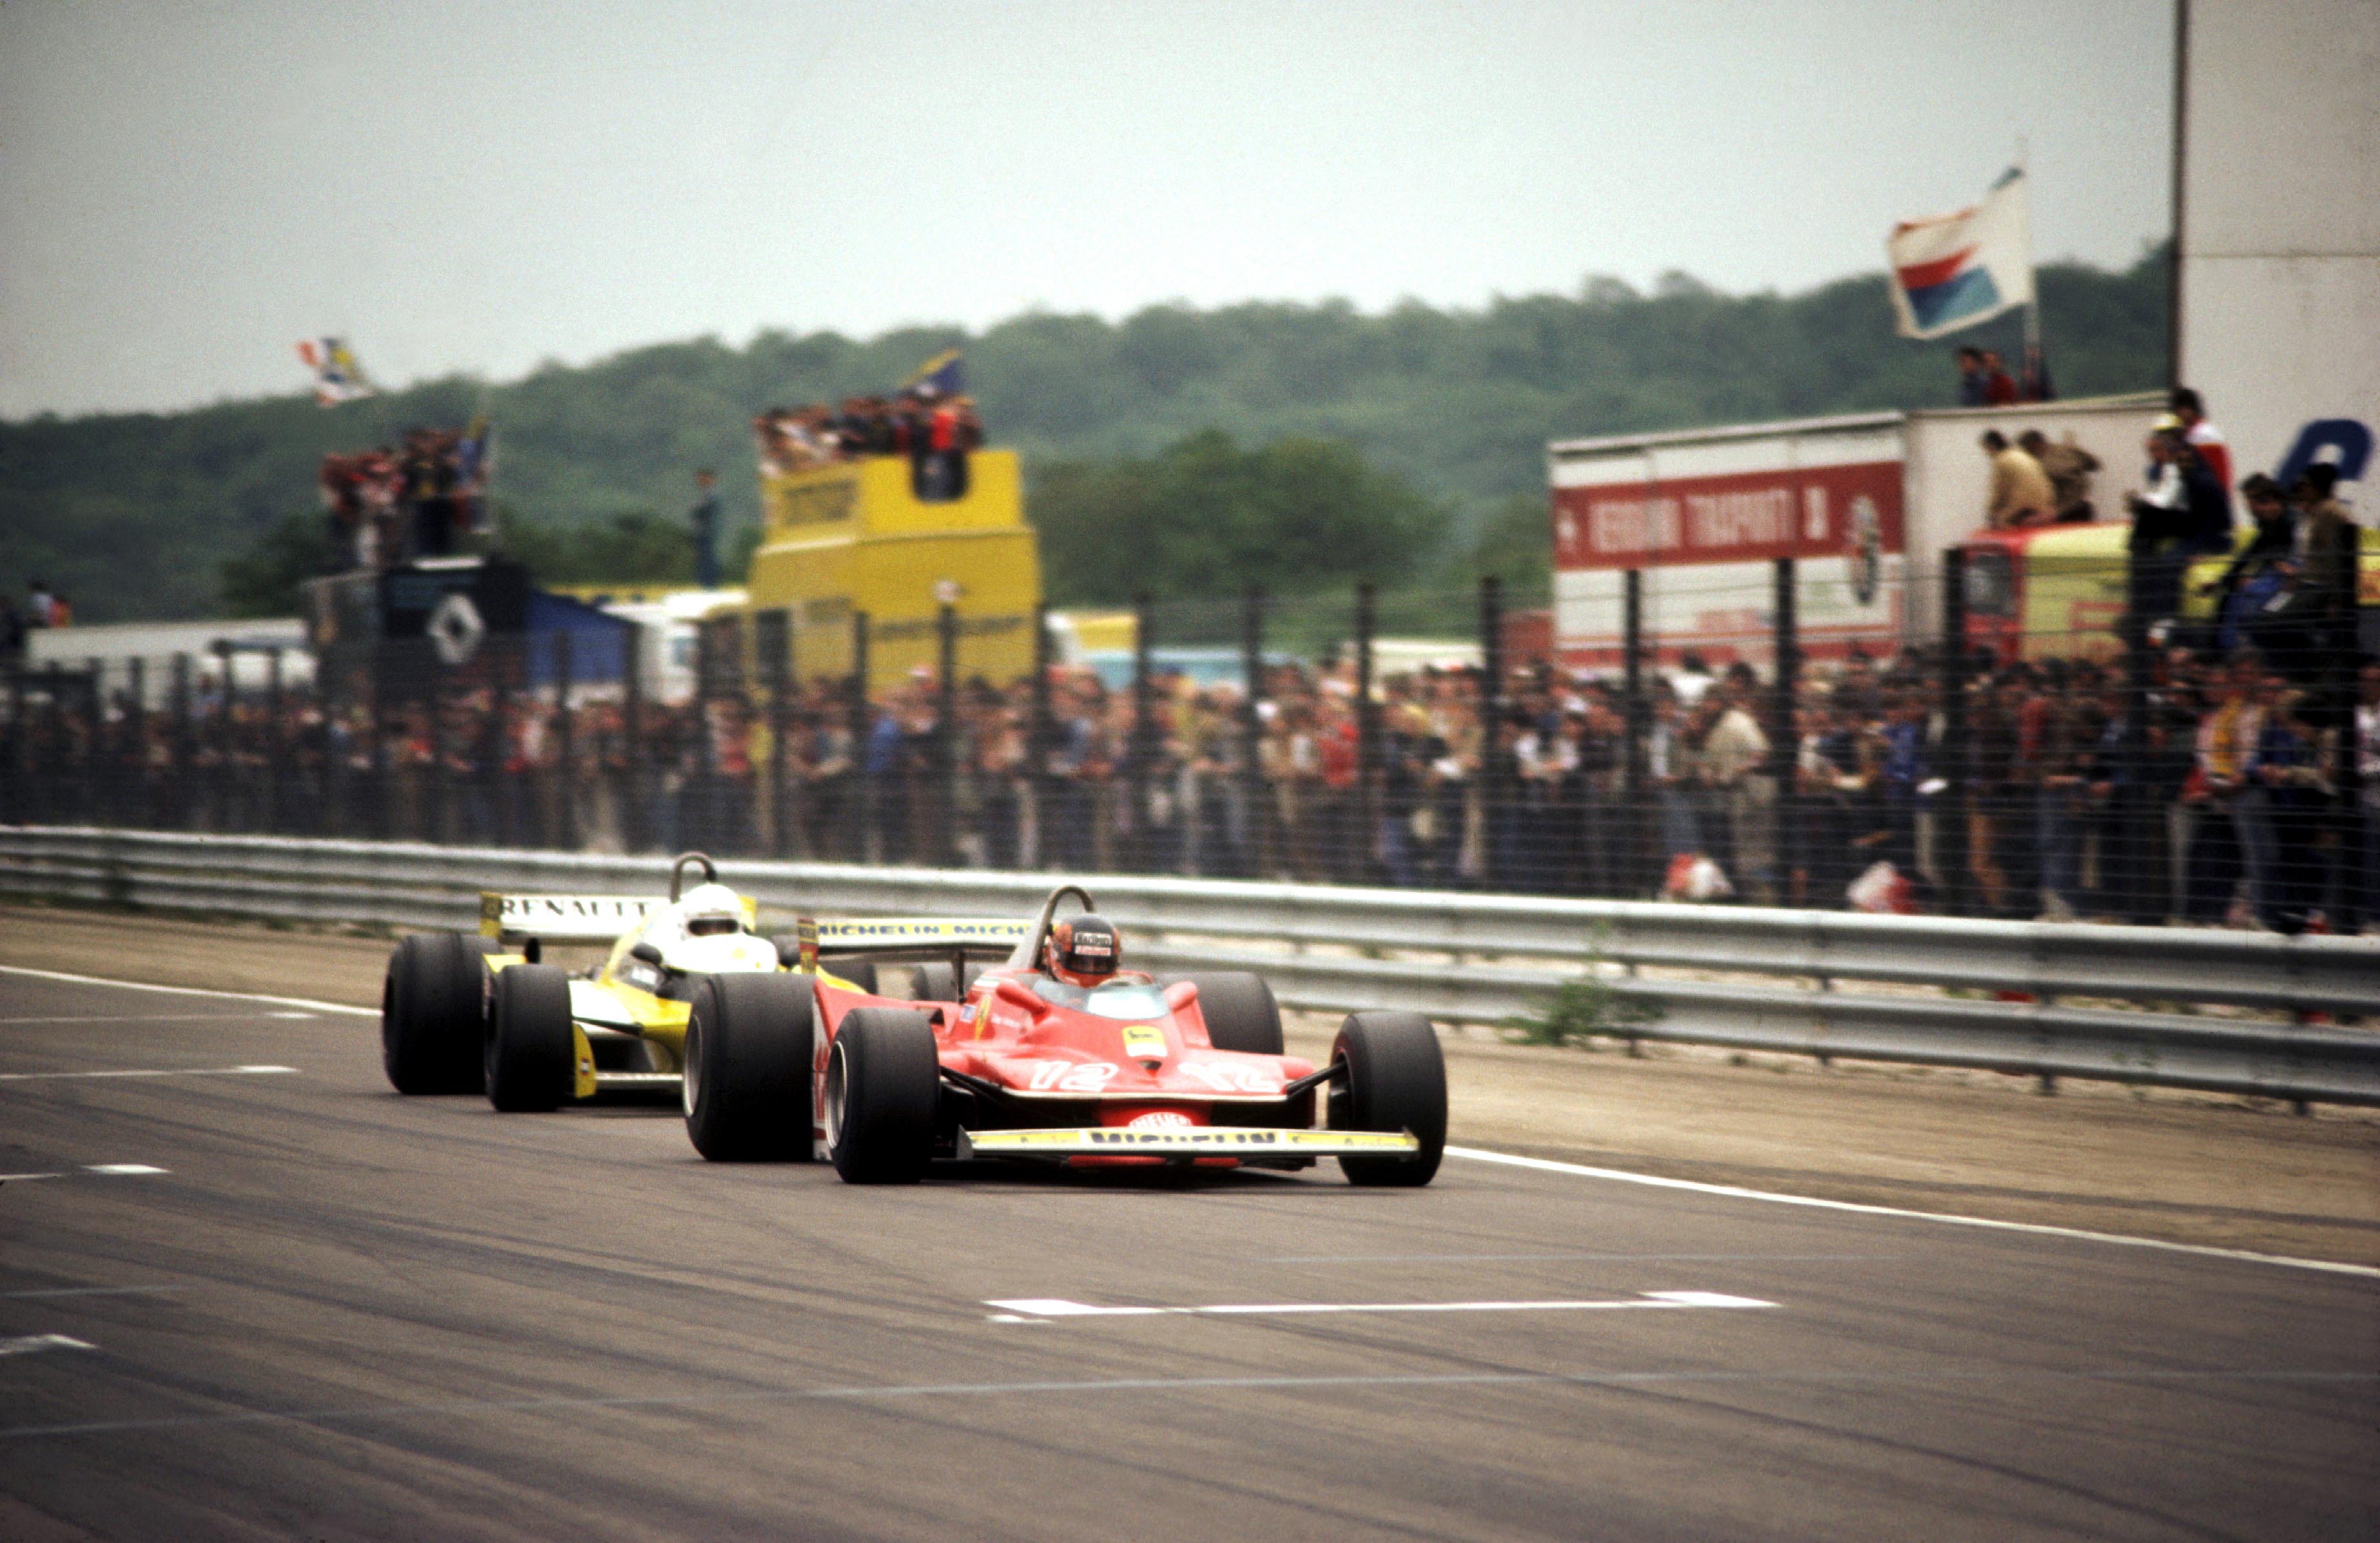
[[86, 1291], [1617, 1175], [1026, 1308], [120, 1170], [1609, 1259], [12, 1178], [169, 1072], [149, 1018], [26, 1344], [306, 1002]]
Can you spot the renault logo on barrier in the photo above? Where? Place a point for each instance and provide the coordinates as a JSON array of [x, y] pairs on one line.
[[456, 628]]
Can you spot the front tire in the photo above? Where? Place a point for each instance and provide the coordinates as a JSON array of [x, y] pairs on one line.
[[433, 1013], [883, 1081], [1392, 1077], [749, 1042], [529, 1068]]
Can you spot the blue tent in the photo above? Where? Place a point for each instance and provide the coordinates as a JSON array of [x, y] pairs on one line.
[[599, 640]]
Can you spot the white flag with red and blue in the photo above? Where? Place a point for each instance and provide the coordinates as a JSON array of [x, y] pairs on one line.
[[337, 377], [1953, 271]]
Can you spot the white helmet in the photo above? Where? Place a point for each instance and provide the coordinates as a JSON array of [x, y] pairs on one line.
[[709, 909]]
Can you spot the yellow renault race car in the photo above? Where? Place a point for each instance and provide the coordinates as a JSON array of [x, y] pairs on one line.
[[462, 1014]]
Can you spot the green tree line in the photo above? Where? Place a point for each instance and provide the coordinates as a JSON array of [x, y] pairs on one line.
[[1405, 446]]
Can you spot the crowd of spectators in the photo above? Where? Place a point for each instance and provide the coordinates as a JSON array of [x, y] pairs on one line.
[[2028, 800], [414, 499], [932, 429]]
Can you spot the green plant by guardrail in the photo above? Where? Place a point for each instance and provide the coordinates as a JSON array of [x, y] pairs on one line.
[[1582, 1009]]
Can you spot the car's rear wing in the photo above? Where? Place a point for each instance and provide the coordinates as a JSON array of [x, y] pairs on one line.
[[564, 918], [846, 939]]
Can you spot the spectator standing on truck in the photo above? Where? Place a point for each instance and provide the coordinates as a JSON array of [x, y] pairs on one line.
[[2000, 386], [2068, 467], [2324, 544], [2021, 494], [1971, 380], [2205, 438]]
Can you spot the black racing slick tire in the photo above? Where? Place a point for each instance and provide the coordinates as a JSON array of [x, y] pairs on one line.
[[432, 1011], [882, 1083], [1393, 1079], [936, 983], [1240, 1011], [529, 1040], [749, 1043]]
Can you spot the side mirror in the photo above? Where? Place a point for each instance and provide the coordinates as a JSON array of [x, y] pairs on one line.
[[1017, 995], [1180, 994], [648, 953]]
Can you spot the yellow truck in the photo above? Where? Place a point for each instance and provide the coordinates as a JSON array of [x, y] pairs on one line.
[[854, 537], [2058, 590]]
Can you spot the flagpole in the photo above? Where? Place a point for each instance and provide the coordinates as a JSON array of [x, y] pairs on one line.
[[2033, 279]]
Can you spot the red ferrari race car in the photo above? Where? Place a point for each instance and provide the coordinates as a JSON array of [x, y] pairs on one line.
[[1053, 1054]]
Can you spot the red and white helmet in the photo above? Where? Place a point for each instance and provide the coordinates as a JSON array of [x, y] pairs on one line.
[[1084, 951]]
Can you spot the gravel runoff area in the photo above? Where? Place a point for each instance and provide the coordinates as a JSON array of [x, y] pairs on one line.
[[2193, 1168]]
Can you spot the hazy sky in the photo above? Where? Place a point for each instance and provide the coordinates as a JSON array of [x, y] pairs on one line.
[[186, 190]]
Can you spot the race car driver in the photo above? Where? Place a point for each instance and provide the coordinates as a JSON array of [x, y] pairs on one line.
[[1084, 951], [710, 910]]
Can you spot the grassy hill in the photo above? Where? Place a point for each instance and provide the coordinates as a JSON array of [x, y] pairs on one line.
[[133, 515]]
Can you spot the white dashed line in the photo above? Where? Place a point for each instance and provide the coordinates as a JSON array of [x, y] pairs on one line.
[[120, 1170], [1028, 1309], [26, 1344], [148, 1018], [169, 1071]]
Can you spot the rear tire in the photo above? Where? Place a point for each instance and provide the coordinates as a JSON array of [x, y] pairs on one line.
[[1394, 1079], [433, 1007], [749, 1042], [1240, 1011], [935, 982], [529, 1043], [883, 1081]]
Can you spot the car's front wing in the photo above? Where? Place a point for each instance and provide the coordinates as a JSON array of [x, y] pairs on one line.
[[1249, 1144]]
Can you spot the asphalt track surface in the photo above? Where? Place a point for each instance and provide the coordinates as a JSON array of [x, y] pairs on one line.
[[325, 1311]]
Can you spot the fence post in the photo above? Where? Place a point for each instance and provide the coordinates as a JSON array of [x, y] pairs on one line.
[[563, 769], [863, 726], [1493, 791], [1637, 822], [1041, 743], [57, 774], [1137, 853], [12, 749], [1361, 864], [276, 744], [136, 801], [945, 834], [1784, 743], [1255, 822], [2151, 894], [773, 646], [1950, 843], [179, 803], [90, 762]]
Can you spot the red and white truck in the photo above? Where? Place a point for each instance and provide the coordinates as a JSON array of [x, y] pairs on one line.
[[1864, 503]]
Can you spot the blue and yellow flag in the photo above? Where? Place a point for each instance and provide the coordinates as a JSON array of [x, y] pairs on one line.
[[938, 376]]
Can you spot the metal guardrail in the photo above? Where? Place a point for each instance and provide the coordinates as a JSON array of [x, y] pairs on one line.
[[1455, 957]]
